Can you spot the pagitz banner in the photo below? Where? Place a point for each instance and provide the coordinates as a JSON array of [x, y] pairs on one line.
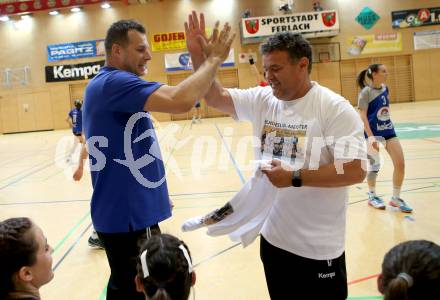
[[307, 22], [182, 61], [73, 72], [75, 50], [416, 17]]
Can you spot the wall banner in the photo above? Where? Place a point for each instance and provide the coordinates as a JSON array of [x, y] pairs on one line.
[[75, 50], [182, 61], [306, 22], [428, 39], [73, 72], [416, 17], [168, 41], [375, 43]]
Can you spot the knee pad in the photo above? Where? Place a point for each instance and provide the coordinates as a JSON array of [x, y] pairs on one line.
[[373, 162]]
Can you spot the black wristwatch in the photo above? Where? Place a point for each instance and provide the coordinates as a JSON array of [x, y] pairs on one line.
[[296, 178]]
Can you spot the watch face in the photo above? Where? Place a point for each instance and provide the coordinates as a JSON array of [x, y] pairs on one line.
[[296, 178], [296, 182]]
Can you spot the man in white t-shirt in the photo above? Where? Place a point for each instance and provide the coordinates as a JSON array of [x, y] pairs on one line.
[[316, 138]]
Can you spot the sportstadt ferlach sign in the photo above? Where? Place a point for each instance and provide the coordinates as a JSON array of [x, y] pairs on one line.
[[308, 22]]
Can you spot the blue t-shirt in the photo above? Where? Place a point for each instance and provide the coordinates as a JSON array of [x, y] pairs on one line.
[[76, 116], [123, 198]]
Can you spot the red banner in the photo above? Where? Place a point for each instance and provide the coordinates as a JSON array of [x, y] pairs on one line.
[[31, 6]]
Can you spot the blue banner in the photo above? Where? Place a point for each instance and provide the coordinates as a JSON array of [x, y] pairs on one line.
[[75, 50], [181, 61]]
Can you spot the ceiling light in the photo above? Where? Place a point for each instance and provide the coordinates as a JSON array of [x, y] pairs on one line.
[[105, 5], [75, 9], [25, 17], [54, 12], [4, 18]]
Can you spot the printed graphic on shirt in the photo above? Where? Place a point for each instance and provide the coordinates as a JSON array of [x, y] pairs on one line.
[[218, 214], [383, 114], [280, 140]]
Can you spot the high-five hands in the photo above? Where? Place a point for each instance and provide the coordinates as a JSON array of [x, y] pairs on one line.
[[198, 44]]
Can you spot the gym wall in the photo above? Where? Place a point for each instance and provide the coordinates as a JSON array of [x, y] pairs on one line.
[[41, 105]]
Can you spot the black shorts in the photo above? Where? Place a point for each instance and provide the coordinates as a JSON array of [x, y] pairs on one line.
[[197, 105], [77, 133], [300, 277], [389, 137]]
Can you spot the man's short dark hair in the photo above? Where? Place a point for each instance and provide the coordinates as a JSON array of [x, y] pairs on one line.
[[294, 43], [118, 33]]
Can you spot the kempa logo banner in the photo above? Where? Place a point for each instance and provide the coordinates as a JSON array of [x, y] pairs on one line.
[[73, 72]]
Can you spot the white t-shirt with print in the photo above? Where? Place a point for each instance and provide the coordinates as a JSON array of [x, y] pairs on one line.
[[308, 132]]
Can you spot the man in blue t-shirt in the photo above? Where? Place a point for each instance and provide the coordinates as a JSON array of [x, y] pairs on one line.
[[130, 195]]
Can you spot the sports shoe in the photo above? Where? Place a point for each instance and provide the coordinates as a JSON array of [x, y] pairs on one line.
[[401, 204], [375, 202], [95, 243]]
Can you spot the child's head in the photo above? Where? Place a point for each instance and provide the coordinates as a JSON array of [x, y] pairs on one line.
[[411, 270], [165, 269], [376, 73], [78, 104], [25, 257]]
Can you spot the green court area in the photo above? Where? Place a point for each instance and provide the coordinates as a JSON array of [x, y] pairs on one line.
[[417, 130]]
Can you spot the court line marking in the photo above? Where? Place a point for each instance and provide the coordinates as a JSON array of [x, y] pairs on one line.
[[87, 200], [28, 154], [43, 202], [63, 240], [365, 298], [429, 140], [72, 246], [363, 279], [30, 168], [404, 191], [174, 146], [231, 157], [28, 174], [215, 255], [203, 193]]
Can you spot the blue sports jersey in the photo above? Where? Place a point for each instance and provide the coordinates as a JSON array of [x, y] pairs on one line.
[[76, 116], [378, 115], [120, 202]]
